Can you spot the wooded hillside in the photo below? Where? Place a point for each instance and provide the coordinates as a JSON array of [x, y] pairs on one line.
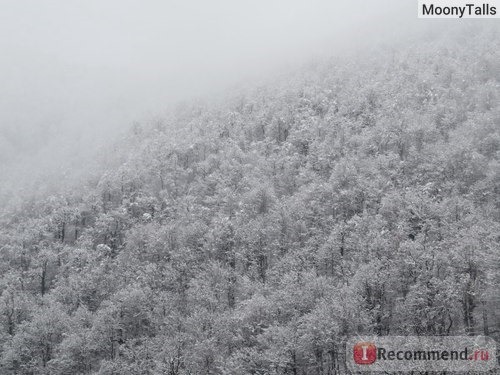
[[358, 196]]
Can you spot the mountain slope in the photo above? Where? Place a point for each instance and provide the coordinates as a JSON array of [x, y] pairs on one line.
[[254, 236]]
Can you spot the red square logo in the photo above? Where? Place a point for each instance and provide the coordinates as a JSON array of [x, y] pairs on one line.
[[365, 353]]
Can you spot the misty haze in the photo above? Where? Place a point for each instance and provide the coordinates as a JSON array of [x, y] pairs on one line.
[[75, 77], [233, 187]]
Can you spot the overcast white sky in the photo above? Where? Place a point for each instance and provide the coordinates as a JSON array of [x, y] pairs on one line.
[[71, 69]]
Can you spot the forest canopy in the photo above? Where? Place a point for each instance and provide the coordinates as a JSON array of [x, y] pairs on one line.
[[256, 234]]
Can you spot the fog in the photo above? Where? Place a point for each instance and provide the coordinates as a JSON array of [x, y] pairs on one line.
[[74, 75]]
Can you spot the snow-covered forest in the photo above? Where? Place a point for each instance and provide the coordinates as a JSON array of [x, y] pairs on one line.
[[255, 234]]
